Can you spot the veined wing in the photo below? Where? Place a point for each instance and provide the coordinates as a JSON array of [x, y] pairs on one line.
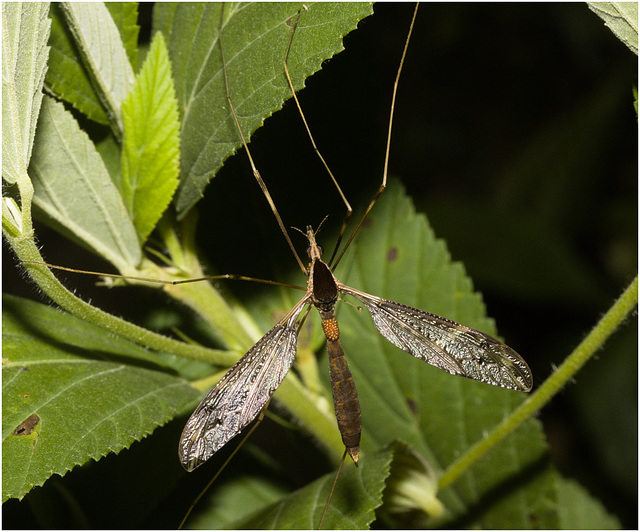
[[448, 345], [238, 397]]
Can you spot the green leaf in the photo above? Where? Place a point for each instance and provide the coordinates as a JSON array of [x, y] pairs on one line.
[[25, 31], [621, 18], [125, 17], [358, 493], [234, 501], [578, 510], [151, 151], [103, 55], [254, 34], [92, 392], [75, 190], [67, 77]]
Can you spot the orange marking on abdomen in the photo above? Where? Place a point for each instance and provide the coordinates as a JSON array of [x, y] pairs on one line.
[[330, 329]]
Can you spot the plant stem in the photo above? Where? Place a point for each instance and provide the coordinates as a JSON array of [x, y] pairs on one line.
[[26, 249], [578, 358]]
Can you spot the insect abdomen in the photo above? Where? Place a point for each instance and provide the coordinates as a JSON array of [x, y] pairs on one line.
[[345, 399]]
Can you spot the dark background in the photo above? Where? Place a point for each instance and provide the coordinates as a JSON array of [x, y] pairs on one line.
[[515, 134]]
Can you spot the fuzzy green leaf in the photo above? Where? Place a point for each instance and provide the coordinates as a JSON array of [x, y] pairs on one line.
[[25, 31], [92, 393], [75, 190], [254, 34], [151, 152]]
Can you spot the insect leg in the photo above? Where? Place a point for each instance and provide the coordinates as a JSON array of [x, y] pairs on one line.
[[383, 185]]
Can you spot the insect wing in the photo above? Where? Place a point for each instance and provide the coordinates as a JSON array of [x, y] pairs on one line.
[[238, 397], [448, 345]]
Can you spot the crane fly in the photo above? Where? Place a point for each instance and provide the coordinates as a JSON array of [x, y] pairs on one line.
[[247, 387]]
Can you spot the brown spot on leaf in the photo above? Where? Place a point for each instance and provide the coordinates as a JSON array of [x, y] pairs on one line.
[[26, 427], [392, 254]]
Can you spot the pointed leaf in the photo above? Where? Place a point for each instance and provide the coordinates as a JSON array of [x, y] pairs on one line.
[[255, 40], [103, 54], [90, 391], [150, 154], [25, 31], [75, 190]]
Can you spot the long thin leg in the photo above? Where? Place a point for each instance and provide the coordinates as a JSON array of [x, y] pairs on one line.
[[230, 276], [333, 488], [383, 185], [257, 175], [313, 143]]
